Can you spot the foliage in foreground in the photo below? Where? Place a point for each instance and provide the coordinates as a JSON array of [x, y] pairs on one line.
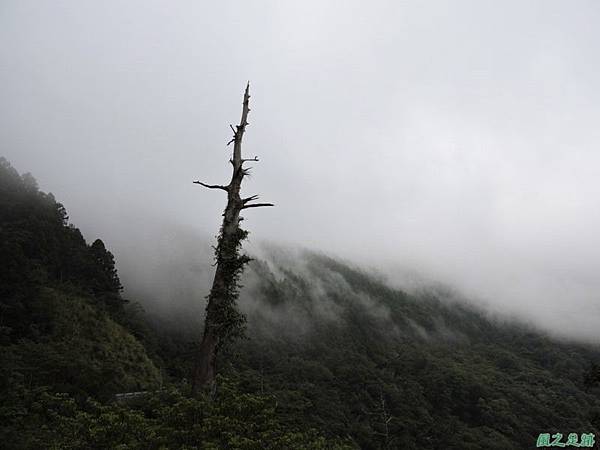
[[166, 419]]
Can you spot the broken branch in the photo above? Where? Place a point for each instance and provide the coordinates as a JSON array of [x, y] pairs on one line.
[[257, 205], [249, 199], [212, 186]]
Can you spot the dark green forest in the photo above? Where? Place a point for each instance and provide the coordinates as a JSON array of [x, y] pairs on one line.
[[332, 357]]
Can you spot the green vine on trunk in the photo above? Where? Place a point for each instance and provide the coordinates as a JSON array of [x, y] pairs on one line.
[[228, 321]]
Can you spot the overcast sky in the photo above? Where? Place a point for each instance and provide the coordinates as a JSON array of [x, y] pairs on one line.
[[458, 139]]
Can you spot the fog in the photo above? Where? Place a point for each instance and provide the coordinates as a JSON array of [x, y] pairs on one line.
[[447, 141]]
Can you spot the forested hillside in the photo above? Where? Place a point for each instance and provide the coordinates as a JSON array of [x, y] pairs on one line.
[[343, 352], [70, 342], [333, 357]]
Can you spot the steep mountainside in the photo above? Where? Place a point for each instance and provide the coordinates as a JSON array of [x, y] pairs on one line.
[[60, 301], [345, 353], [69, 342], [334, 357]]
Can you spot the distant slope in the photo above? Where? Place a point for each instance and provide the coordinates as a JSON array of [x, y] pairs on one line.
[[345, 353]]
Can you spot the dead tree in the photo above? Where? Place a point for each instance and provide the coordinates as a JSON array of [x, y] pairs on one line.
[[223, 320]]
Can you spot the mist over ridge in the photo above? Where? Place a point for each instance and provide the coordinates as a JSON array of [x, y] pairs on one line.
[[393, 246], [177, 272], [432, 142]]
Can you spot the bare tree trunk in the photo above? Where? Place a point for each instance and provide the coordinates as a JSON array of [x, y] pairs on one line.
[[223, 321]]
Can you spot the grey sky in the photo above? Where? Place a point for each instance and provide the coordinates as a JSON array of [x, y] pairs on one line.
[[457, 139]]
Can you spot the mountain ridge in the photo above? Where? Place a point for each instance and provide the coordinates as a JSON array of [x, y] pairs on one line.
[[334, 356]]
